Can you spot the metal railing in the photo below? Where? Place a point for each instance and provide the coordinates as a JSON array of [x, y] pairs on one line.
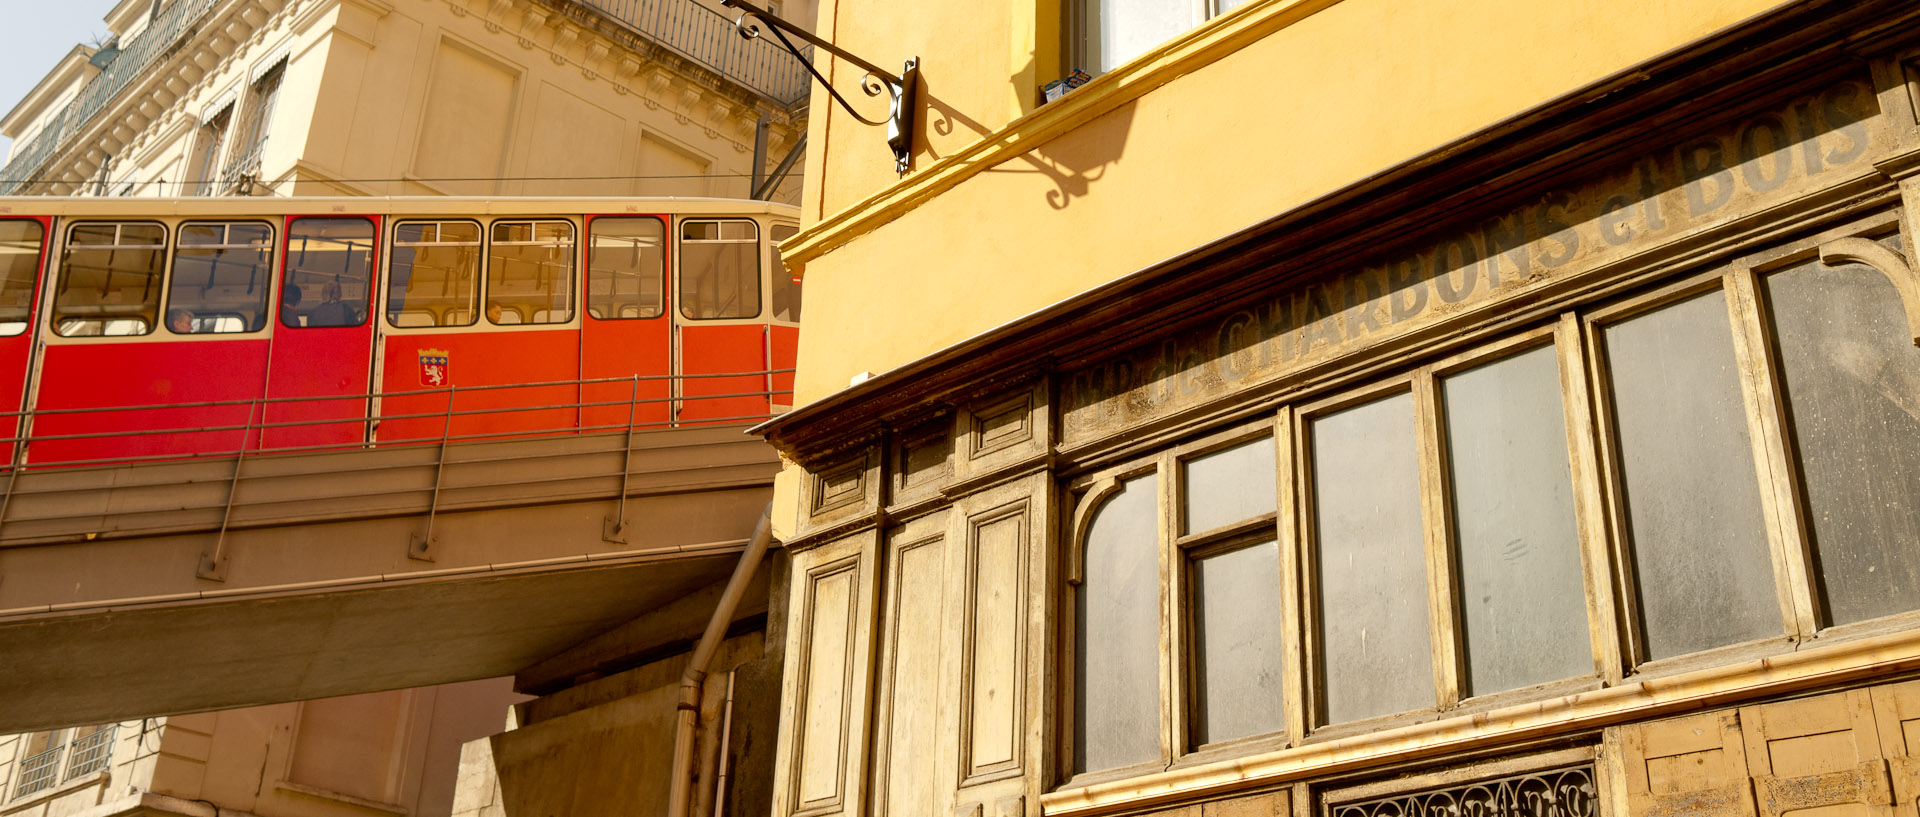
[[427, 421], [90, 753], [39, 772], [707, 37], [160, 37]]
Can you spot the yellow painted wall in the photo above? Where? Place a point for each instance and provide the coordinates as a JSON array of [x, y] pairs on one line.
[[1312, 103]]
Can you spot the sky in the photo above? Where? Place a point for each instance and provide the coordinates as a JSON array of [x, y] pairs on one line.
[[36, 35]]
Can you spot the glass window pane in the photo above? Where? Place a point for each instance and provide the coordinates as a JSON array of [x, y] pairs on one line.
[[1236, 644], [719, 269], [1692, 495], [434, 277], [329, 272], [530, 273], [1522, 593], [1375, 651], [222, 272], [110, 280], [626, 268], [1228, 486], [20, 241], [1117, 671], [786, 286], [1119, 30], [1852, 379]]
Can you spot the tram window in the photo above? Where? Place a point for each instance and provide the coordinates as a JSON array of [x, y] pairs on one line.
[[434, 279], [530, 273], [626, 265], [329, 272], [109, 279], [20, 241], [719, 269], [786, 288], [222, 272]]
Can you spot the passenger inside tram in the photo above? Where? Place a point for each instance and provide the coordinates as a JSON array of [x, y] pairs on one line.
[[332, 311]]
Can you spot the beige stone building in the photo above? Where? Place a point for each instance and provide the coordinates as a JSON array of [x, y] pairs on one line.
[[369, 97], [416, 97], [383, 753]]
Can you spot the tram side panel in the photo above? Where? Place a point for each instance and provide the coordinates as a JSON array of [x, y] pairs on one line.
[[23, 254], [463, 360], [320, 375], [157, 340]]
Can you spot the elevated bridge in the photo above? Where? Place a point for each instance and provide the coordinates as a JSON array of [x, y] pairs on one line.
[[164, 585]]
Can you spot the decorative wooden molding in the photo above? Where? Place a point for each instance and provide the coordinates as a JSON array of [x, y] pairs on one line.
[[1888, 262]]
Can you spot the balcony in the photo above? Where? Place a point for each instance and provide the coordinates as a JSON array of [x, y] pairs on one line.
[[707, 37], [174, 24]]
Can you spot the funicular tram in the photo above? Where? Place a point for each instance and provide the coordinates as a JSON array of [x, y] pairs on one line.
[[159, 328]]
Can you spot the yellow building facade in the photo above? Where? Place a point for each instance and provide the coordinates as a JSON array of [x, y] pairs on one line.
[[1356, 407]]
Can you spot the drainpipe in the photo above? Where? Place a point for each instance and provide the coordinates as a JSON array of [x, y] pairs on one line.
[[691, 682]]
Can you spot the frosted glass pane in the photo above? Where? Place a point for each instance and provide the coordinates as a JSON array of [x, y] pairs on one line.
[[1692, 495], [1521, 588], [1228, 486], [1375, 650], [1119, 30], [1236, 635], [1117, 720], [1853, 389]]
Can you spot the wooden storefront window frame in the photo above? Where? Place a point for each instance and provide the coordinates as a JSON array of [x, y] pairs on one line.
[[1797, 558], [1631, 633], [1089, 494], [1617, 649]]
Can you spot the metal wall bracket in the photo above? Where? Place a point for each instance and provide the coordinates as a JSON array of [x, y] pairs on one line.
[[899, 89]]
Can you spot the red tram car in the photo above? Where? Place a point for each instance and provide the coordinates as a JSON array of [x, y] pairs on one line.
[[137, 328]]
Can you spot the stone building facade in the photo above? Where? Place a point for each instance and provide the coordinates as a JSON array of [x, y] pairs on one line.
[[1360, 408]]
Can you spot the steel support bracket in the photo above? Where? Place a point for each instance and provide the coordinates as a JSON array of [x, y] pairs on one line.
[[899, 89]]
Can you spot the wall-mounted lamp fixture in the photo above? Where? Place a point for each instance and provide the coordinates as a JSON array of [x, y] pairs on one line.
[[899, 89]]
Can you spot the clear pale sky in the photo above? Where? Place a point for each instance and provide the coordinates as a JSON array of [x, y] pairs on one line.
[[36, 34]]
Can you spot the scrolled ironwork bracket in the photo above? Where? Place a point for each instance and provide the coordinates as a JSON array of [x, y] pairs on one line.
[[898, 88]]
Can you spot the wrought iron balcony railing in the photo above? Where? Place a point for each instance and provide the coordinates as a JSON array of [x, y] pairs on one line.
[[91, 752], [39, 772], [707, 37], [161, 36]]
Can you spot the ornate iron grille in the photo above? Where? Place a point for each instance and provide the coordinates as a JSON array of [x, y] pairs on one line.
[[90, 752], [39, 772], [1558, 793]]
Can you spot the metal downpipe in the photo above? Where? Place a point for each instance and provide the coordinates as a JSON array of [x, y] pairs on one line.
[[681, 792]]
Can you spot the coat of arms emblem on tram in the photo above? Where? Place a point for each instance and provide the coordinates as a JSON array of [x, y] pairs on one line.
[[435, 370]]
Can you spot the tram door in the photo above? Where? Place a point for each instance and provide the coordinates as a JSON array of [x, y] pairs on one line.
[[155, 350], [626, 336], [783, 330], [23, 243], [724, 342], [323, 346]]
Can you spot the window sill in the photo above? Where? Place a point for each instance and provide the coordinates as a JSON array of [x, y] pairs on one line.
[[361, 803], [99, 778], [1189, 52], [1785, 670]]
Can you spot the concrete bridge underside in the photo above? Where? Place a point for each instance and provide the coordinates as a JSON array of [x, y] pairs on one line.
[[161, 588]]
